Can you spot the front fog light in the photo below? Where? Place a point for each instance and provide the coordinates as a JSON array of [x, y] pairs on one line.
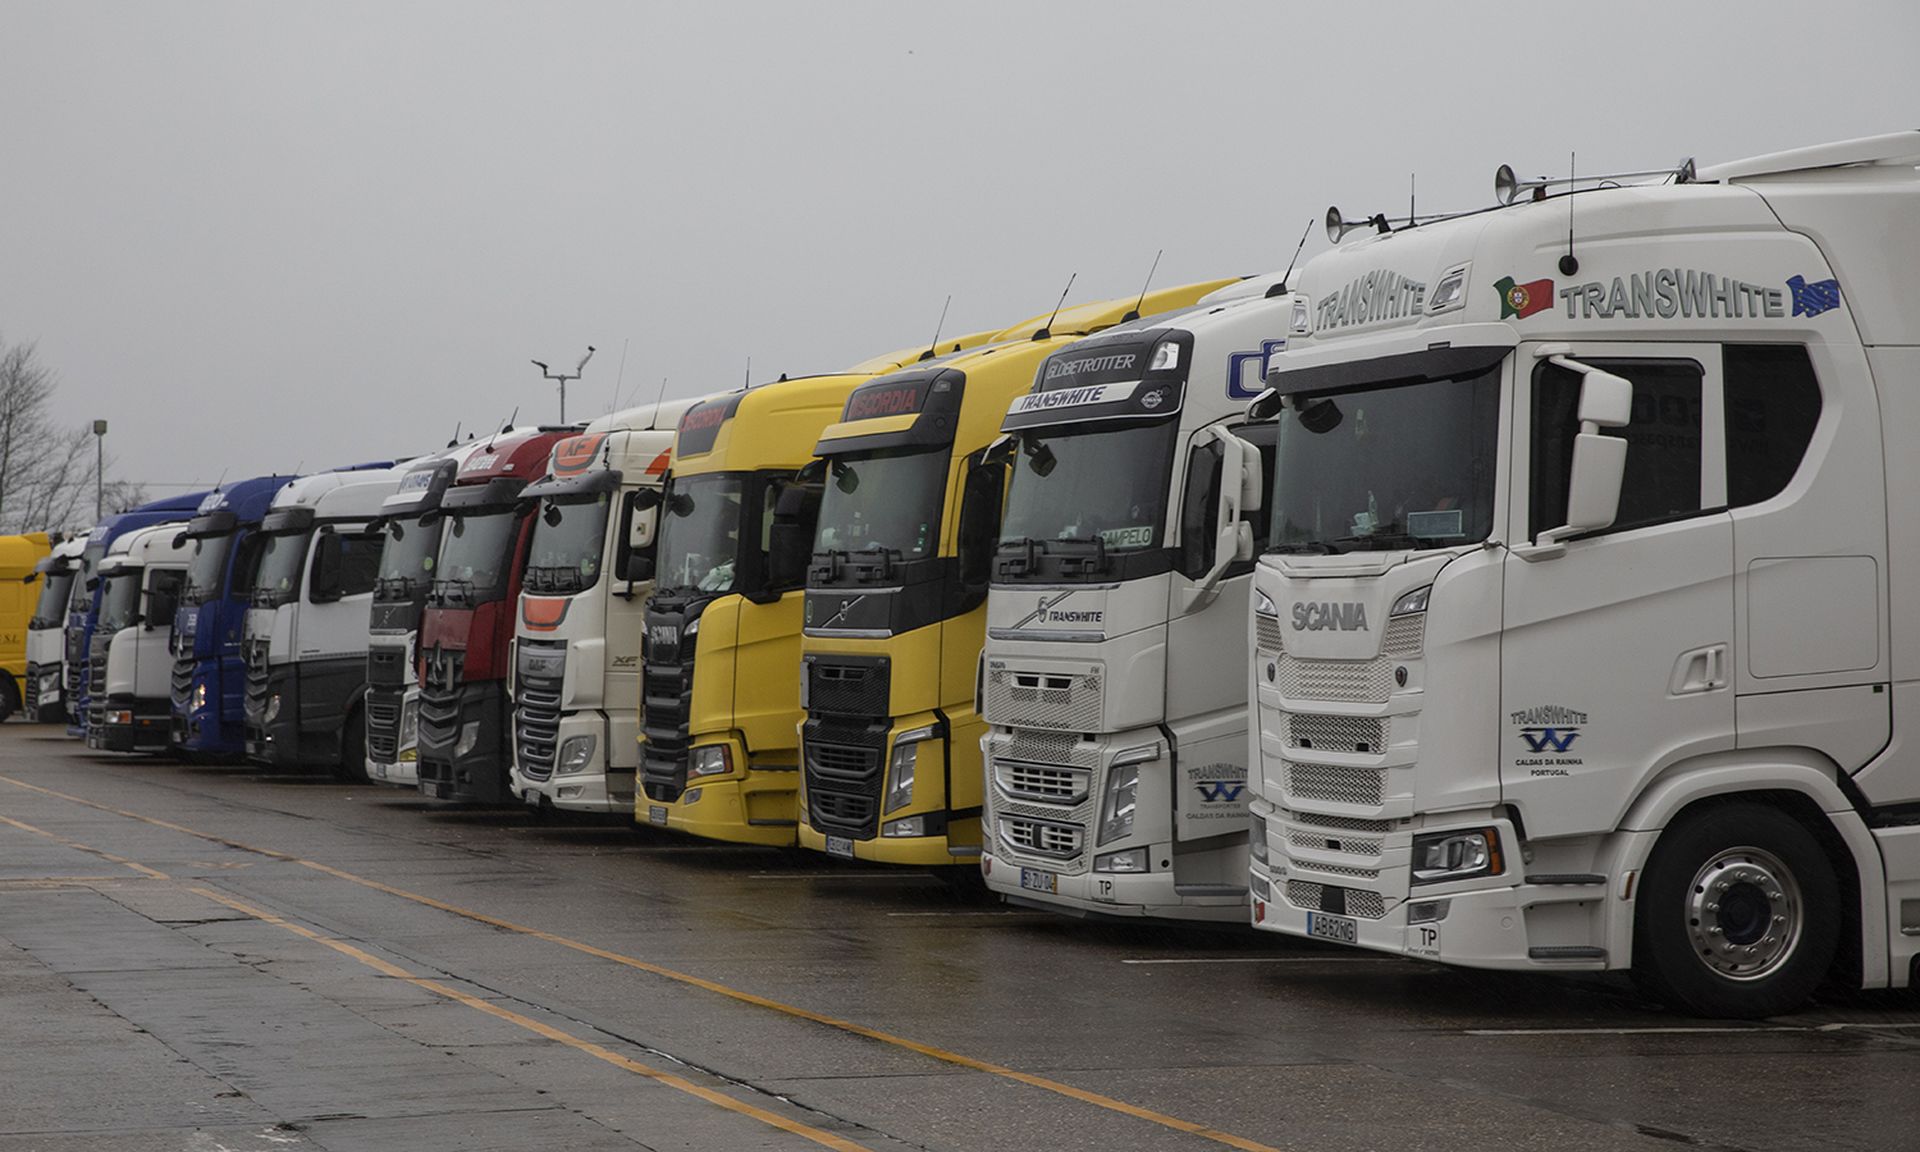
[[1131, 860], [199, 697], [469, 737], [909, 826], [1442, 856], [1428, 911], [1257, 837], [1260, 888], [900, 770], [709, 760], [119, 717], [576, 752], [273, 708]]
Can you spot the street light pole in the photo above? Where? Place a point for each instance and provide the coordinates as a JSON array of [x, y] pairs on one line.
[[99, 468], [561, 378]]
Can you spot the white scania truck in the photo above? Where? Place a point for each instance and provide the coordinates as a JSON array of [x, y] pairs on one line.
[[306, 631], [47, 632], [130, 667], [1114, 684], [576, 662], [1588, 631]]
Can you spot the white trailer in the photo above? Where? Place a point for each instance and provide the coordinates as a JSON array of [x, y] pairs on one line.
[[1114, 683], [1588, 632], [130, 665], [576, 657]]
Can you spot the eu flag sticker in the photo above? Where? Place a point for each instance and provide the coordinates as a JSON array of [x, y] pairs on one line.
[[1815, 298]]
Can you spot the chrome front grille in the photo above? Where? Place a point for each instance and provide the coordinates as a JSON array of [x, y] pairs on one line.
[[1061, 701], [1334, 783], [1041, 837], [384, 706], [1041, 783], [1359, 902], [1329, 733]]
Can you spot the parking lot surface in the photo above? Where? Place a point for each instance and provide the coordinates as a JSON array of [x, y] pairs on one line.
[[198, 957]]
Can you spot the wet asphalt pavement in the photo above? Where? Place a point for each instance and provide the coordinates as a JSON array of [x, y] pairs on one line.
[[224, 959]]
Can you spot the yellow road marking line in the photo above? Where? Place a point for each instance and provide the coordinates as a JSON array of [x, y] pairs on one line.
[[149, 873], [928, 1050], [679, 1083]]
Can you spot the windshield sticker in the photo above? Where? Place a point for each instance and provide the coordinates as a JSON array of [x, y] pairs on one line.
[[1520, 301], [1434, 525], [1664, 293], [1072, 397], [1135, 536], [1379, 295], [1812, 299]]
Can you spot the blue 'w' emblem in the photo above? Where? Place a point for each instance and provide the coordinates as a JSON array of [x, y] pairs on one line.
[[1549, 739], [1215, 791]]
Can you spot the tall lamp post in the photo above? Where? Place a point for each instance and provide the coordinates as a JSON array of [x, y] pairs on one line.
[[561, 378], [99, 468]]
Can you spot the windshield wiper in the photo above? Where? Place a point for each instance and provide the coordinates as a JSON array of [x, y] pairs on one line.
[[1379, 542], [1313, 547]]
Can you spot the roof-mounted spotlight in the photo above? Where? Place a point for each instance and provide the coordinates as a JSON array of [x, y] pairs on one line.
[[1338, 226]]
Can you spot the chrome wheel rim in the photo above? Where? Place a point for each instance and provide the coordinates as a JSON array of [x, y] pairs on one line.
[[1744, 914]]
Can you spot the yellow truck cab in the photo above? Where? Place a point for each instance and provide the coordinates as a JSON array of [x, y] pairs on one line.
[[20, 557], [720, 693], [895, 607]]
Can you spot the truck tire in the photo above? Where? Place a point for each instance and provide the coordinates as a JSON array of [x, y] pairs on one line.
[[9, 696], [1738, 914], [353, 748]]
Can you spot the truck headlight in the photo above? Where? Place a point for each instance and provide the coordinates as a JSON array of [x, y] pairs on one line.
[[709, 760], [576, 752], [469, 738], [1123, 792], [1414, 601], [1257, 837], [199, 697], [1166, 355], [900, 769], [1263, 604], [273, 708], [1443, 856], [1130, 860]]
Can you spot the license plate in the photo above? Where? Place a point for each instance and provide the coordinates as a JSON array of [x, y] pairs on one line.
[[1344, 929], [379, 771], [531, 797], [1034, 880], [840, 846], [657, 814]]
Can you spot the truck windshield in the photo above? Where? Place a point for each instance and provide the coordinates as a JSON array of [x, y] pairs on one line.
[[1403, 467], [82, 597], [207, 569], [50, 611], [120, 602], [883, 502], [700, 533], [1108, 485], [406, 558], [567, 542], [476, 549], [276, 579]]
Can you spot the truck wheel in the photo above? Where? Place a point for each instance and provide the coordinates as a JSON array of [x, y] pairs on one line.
[[9, 697], [1738, 914], [353, 749]]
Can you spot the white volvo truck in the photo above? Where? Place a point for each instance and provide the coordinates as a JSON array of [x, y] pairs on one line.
[[47, 632], [1114, 684], [576, 662], [130, 667], [306, 631], [1588, 632]]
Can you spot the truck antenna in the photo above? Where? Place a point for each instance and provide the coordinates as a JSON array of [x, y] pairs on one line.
[[1135, 313], [1046, 330], [1569, 264], [456, 434], [621, 375], [934, 348], [1413, 217], [222, 480], [1298, 248], [507, 427], [746, 381], [653, 421]]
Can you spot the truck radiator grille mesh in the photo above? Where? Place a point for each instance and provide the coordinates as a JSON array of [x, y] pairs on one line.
[[1337, 784], [1067, 702], [1041, 783], [1336, 733], [1365, 905], [1343, 823], [1049, 748], [1041, 837], [384, 706], [1266, 633], [1363, 681], [1406, 637], [1321, 842], [845, 688]]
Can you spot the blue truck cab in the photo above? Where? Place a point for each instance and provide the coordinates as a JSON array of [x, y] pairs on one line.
[[209, 685], [83, 604]]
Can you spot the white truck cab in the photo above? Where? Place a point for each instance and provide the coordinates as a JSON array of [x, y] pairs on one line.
[[576, 662], [46, 632], [1588, 628], [130, 666], [306, 631], [1114, 683]]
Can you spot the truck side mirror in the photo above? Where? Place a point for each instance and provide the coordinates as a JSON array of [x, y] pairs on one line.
[[645, 499], [324, 586], [638, 568], [1265, 406], [789, 546], [1599, 460]]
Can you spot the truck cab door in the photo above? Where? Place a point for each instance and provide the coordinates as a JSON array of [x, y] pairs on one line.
[[1617, 652]]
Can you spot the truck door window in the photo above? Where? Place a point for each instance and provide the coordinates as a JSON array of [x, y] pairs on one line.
[[1200, 510], [359, 562], [1663, 441], [164, 586], [1773, 403]]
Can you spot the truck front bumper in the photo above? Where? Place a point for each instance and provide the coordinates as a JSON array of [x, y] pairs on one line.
[[1126, 894], [958, 845], [133, 725], [467, 761], [759, 808], [590, 788]]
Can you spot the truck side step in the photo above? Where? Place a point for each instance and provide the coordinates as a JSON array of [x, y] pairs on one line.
[[1567, 952], [1566, 878]]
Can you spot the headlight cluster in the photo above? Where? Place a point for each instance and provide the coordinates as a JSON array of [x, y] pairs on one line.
[[576, 752], [469, 739], [709, 760], [199, 696], [273, 708], [1123, 792], [1442, 856], [901, 768], [1263, 604], [1257, 837], [1414, 601]]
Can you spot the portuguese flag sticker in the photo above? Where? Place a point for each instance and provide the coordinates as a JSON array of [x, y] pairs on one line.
[[1522, 300]]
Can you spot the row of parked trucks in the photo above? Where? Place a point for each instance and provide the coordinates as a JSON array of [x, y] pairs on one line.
[[1526, 589]]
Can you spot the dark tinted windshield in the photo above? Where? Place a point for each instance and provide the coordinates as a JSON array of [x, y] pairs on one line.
[[276, 579], [700, 533], [475, 551], [887, 501], [81, 596], [1405, 467], [207, 569], [408, 553], [51, 609], [1110, 485], [568, 539]]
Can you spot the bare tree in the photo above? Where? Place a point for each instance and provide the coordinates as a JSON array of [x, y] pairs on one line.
[[48, 472]]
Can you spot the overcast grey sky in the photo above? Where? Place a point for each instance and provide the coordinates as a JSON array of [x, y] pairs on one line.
[[263, 235]]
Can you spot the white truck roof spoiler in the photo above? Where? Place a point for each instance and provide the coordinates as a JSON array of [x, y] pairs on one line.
[[1890, 148]]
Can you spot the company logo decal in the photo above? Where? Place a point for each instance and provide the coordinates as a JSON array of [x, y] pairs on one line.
[[1154, 399], [1322, 616], [1221, 791], [1664, 293], [1523, 300], [1238, 386], [846, 606], [1815, 298], [1046, 610], [1221, 788], [1548, 733], [1071, 397], [663, 635], [1379, 295], [890, 400], [1114, 362], [575, 454]]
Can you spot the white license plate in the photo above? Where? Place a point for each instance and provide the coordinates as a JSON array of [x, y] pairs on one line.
[[1034, 880], [1345, 929], [657, 814], [840, 846], [531, 797]]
